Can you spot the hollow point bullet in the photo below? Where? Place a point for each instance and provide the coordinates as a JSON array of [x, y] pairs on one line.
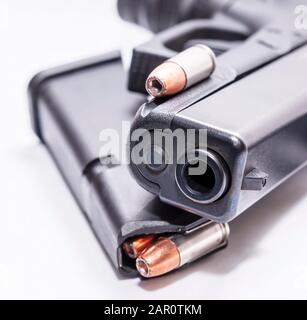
[[187, 68], [134, 247], [170, 253]]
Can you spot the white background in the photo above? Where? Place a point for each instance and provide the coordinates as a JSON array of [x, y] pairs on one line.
[[47, 249]]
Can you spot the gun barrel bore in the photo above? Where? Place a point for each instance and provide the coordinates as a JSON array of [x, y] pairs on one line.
[[170, 253], [182, 71], [134, 247]]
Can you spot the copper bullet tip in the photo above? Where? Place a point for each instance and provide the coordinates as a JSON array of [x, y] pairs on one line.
[[134, 247], [167, 79], [160, 258]]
